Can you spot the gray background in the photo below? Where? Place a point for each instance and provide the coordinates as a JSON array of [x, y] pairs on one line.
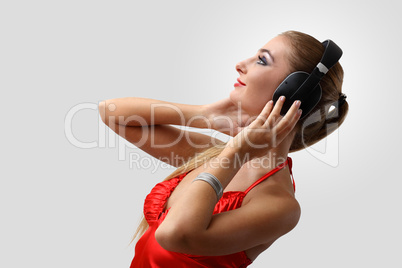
[[64, 205]]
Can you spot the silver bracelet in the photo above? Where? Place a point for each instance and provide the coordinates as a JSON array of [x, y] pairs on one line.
[[213, 181]]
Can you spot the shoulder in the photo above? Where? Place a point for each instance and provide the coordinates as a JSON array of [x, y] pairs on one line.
[[277, 208]]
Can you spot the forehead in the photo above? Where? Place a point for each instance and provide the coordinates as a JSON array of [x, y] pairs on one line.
[[279, 48]]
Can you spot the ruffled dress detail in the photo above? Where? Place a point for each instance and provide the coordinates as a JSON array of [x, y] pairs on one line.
[[148, 253]]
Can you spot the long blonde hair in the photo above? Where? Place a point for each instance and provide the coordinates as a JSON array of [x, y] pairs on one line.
[[306, 52]]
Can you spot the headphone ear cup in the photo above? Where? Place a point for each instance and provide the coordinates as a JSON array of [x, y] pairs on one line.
[[309, 101], [288, 88]]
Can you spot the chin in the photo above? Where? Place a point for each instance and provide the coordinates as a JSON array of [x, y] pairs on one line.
[[234, 98]]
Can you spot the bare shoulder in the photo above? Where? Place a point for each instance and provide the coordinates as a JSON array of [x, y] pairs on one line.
[[277, 206]]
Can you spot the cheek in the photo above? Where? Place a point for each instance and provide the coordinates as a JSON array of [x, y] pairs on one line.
[[259, 94], [263, 84], [270, 88]]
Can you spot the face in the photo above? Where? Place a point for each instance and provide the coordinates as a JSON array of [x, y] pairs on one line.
[[260, 75]]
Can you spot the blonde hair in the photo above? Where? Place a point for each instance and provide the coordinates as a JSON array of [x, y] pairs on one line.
[[306, 52]]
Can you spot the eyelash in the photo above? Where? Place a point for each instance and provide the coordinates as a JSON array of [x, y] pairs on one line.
[[262, 59]]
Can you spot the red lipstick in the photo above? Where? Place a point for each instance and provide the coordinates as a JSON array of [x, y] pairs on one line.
[[240, 84]]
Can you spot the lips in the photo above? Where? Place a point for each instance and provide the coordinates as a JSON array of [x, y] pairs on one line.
[[240, 84]]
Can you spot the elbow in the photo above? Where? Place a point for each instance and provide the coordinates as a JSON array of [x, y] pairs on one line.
[[102, 111], [293, 218], [173, 239]]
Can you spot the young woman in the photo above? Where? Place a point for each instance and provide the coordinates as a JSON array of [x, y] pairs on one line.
[[188, 222]]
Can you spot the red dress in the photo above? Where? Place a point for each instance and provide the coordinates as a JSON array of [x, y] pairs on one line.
[[148, 253]]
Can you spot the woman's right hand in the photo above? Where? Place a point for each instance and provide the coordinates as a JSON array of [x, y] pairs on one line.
[[268, 130]]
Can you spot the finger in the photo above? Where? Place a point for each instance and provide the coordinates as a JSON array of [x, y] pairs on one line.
[[278, 105], [288, 122], [266, 111], [276, 112], [292, 112]]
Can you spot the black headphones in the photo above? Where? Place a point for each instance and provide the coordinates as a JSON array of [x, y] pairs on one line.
[[305, 87]]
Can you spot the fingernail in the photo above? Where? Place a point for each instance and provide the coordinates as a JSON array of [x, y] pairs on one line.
[[299, 112], [282, 98], [297, 103]]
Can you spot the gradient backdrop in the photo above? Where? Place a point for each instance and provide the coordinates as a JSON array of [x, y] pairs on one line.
[[71, 192]]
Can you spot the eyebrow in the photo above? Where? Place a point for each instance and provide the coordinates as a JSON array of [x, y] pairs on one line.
[[266, 50]]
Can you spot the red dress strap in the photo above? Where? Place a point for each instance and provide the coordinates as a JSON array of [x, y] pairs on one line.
[[266, 176], [291, 174]]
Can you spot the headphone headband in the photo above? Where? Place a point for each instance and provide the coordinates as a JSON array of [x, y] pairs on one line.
[[305, 87], [332, 54]]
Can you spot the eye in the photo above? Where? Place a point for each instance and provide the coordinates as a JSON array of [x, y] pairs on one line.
[[262, 60]]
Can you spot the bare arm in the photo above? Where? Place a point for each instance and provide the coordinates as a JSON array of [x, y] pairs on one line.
[[135, 111], [145, 123]]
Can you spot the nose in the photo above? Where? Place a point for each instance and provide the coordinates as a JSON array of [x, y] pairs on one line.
[[241, 67]]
